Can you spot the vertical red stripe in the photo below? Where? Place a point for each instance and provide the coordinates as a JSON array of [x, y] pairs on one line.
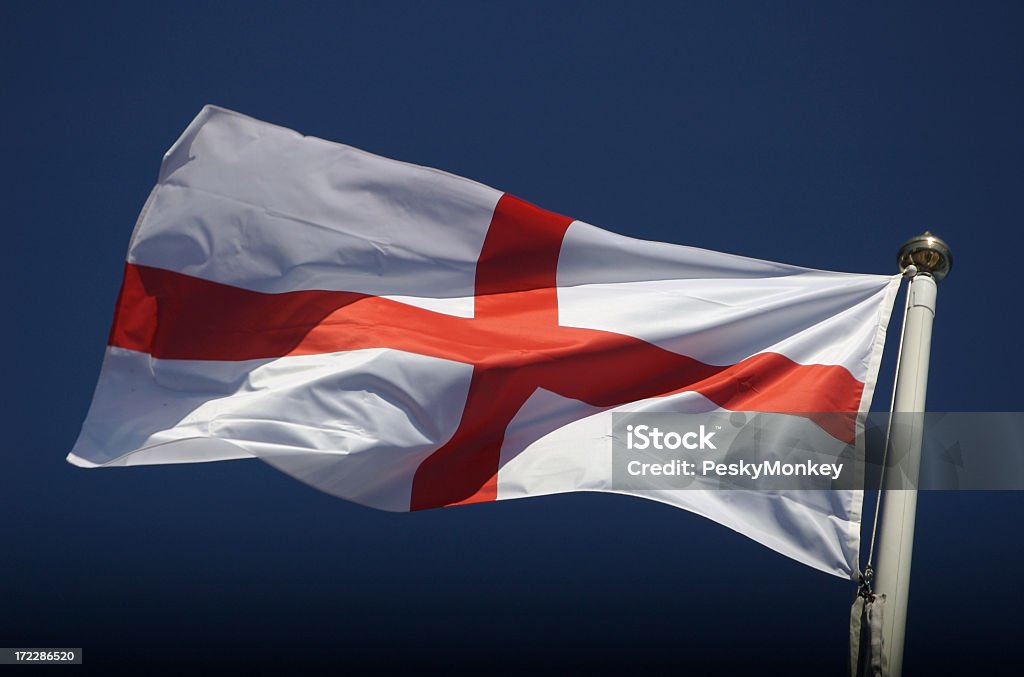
[[516, 290]]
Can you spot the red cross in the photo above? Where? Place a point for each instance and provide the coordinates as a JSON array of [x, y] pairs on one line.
[[514, 342]]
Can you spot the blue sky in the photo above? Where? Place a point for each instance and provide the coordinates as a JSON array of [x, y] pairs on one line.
[[818, 134]]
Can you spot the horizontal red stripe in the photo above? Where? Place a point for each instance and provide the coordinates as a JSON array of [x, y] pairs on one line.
[[174, 316]]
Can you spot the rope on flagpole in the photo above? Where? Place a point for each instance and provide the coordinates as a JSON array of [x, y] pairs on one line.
[[864, 589]]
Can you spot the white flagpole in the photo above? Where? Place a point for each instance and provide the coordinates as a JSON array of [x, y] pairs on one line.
[[925, 260]]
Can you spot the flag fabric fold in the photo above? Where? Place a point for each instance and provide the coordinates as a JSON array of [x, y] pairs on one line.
[[407, 339]]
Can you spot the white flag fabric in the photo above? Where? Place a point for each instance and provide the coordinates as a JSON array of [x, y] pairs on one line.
[[407, 339]]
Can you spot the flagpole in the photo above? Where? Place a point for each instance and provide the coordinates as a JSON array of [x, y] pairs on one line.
[[925, 260]]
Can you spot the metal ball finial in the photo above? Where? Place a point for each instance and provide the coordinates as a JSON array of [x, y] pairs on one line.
[[929, 254]]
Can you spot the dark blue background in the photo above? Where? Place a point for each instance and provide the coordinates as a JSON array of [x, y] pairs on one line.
[[819, 134]]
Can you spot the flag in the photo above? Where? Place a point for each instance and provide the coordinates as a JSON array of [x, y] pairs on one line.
[[407, 339]]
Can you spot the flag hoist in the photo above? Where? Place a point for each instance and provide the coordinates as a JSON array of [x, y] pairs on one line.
[[881, 606]]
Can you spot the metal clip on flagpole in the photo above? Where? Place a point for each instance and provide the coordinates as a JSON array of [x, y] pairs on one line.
[[925, 260]]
